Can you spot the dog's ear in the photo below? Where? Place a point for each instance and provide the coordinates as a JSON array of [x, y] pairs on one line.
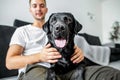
[[78, 27], [46, 26]]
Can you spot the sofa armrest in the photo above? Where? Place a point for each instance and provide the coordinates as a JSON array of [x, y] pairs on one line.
[[5, 36], [115, 64]]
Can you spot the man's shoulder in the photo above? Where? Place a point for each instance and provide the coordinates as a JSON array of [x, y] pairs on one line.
[[23, 28]]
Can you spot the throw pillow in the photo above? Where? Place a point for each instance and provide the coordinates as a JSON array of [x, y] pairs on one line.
[[18, 23], [91, 39]]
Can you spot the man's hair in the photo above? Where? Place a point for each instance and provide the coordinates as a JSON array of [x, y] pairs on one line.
[[30, 1]]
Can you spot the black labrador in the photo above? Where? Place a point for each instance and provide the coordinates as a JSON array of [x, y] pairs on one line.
[[61, 29]]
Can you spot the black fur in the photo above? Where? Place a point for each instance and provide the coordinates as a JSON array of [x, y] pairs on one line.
[[62, 26]]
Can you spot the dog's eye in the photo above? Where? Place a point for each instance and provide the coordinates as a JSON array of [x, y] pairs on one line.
[[67, 20], [53, 20], [70, 20]]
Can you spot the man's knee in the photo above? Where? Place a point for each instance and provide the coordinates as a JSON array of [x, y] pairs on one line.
[[34, 72]]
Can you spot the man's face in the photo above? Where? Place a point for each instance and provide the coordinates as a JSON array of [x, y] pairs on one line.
[[38, 9]]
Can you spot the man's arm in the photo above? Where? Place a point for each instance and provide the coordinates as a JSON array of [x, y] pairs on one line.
[[16, 60]]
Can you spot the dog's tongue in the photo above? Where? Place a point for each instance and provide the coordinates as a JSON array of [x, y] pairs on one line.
[[60, 43]]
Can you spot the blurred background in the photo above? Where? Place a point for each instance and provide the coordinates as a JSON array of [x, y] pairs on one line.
[[96, 16]]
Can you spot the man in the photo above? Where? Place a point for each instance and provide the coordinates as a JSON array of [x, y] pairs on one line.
[[28, 46]]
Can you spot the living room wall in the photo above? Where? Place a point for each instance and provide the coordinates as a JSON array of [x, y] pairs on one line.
[[110, 14], [87, 12]]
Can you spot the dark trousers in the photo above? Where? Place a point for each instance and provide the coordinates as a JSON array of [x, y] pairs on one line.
[[36, 72], [33, 72], [101, 73]]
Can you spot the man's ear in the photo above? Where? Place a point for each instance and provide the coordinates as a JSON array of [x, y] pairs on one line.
[[78, 27]]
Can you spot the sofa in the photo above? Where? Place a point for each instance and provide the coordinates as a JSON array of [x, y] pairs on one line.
[[6, 32]]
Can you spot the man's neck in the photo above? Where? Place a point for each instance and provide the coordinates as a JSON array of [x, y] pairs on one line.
[[39, 23]]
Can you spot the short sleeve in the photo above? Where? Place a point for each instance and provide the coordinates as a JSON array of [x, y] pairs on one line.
[[18, 37]]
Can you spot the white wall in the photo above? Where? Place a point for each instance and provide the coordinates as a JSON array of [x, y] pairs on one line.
[[110, 13], [9, 10]]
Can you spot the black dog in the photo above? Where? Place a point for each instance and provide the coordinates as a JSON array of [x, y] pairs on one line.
[[61, 29]]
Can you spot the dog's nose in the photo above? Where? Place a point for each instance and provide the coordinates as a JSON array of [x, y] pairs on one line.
[[60, 28]]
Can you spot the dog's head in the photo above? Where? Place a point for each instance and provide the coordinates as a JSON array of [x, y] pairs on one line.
[[60, 28]]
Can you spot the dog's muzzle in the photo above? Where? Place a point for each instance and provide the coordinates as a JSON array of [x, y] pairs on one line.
[[60, 35]]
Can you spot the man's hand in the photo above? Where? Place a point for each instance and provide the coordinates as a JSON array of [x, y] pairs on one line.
[[78, 56], [49, 54]]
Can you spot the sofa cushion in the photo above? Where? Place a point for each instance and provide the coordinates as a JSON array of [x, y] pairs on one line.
[[91, 39], [18, 23], [5, 36]]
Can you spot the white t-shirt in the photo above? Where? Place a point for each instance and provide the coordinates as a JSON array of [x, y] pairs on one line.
[[33, 39]]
